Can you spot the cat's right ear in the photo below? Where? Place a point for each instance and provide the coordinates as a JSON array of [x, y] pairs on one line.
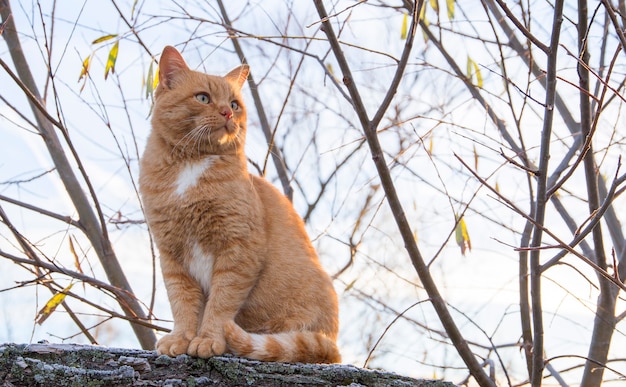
[[171, 65]]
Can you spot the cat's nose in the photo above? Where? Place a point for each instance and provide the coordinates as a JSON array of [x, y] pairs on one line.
[[227, 113]]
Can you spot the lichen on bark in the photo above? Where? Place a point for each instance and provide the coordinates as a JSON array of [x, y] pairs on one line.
[[86, 366]]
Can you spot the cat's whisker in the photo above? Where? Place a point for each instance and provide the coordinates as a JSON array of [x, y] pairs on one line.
[[192, 137], [202, 134]]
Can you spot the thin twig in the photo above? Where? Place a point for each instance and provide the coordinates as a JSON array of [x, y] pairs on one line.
[[392, 196], [531, 219], [277, 157], [64, 219]]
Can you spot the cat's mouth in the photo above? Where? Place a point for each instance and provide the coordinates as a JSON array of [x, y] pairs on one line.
[[227, 133]]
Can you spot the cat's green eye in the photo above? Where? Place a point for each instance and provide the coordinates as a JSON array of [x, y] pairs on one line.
[[203, 98], [234, 105]]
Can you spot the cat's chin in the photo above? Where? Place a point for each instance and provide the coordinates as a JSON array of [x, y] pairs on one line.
[[226, 135], [225, 139]]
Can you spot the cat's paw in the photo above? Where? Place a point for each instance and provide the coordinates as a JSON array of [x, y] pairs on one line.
[[172, 345], [207, 346]]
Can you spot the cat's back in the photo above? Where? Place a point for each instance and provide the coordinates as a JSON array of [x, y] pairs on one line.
[[275, 202], [288, 247]]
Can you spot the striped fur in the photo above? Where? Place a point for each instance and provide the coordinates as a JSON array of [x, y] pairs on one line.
[[292, 347]]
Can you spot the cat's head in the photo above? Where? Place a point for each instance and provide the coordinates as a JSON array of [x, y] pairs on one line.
[[198, 114]]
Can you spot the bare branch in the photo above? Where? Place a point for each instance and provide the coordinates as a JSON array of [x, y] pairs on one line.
[[396, 207]]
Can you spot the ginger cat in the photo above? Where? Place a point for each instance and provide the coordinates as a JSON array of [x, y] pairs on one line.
[[240, 271]]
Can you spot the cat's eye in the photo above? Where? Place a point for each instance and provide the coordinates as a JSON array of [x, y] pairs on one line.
[[234, 105], [203, 98]]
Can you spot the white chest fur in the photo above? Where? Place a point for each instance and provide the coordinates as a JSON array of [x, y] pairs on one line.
[[201, 267], [190, 174]]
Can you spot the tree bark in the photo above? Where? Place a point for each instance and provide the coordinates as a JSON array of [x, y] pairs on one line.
[[80, 365]]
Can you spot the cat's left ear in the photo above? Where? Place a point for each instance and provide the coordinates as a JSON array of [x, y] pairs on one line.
[[238, 75]]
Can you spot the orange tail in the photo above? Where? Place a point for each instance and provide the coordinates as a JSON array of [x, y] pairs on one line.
[[291, 347]]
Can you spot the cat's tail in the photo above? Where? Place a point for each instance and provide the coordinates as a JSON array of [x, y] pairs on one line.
[[291, 347]]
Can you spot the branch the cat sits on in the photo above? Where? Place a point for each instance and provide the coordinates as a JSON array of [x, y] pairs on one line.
[[240, 271]]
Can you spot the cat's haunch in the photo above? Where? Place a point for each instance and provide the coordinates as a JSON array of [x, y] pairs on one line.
[[240, 271]]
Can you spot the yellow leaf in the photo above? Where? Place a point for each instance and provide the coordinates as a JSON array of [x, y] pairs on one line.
[[497, 187], [155, 82], [450, 6], [430, 146], [110, 66], [479, 77], [152, 81], [84, 71], [435, 5], [52, 304], [104, 38], [423, 16], [462, 236], [473, 69], [426, 23], [405, 23], [329, 67], [149, 82]]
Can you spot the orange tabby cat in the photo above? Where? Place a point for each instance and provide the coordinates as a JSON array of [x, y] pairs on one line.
[[240, 271]]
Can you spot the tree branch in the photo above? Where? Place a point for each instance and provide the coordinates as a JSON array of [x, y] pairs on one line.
[[94, 229], [256, 97], [394, 202]]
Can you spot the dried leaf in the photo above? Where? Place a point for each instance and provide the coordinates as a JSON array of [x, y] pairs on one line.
[[462, 236], [110, 66], [52, 304], [350, 285], [4, 24], [405, 24], [132, 10], [475, 158], [104, 38], [76, 259]]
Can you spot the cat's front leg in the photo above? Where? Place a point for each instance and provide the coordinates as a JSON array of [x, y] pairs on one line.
[[186, 300], [233, 278]]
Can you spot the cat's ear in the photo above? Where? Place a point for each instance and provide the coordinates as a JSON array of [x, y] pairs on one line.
[[171, 65], [238, 75]]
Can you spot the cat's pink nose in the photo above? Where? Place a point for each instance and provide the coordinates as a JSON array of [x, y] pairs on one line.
[[227, 113]]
